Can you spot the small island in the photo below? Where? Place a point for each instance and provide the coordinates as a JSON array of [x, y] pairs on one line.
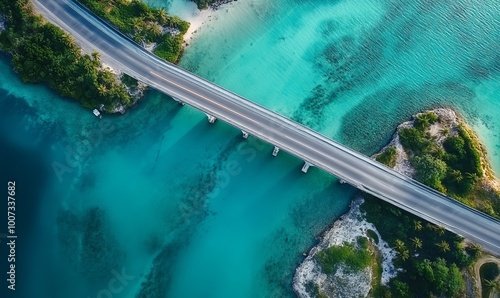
[[378, 250], [43, 53]]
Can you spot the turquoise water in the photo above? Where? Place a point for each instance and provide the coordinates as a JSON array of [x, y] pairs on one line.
[[180, 208]]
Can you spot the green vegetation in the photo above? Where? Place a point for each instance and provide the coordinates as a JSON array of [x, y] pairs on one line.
[[489, 272], [202, 4], [454, 169], [376, 266], [388, 157], [355, 258], [143, 24], [430, 170], [430, 256], [128, 81], [43, 53]]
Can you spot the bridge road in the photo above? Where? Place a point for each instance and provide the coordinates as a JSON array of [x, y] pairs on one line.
[[324, 153]]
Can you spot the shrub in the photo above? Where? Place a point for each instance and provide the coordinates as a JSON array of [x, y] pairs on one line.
[[429, 170], [388, 157], [472, 158], [414, 140], [142, 22], [489, 271], [170, 48], [354, 258], [455, 145], [43, 53], [424, 120]]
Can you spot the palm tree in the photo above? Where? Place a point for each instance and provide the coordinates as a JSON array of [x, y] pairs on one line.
[[138, 24], [476, 250], [456, 176], [162, 16], [66, 40], [149, 16], [404, 254], [416, 242], [444, 246], [439, 229], [491, 284], [88, 63], [399, 245], [417, 225], [471, 176], [96, 56], [102, 90], [156, 30], [137, 38]]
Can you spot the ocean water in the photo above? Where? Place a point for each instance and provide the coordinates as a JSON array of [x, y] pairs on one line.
[[353, 71], [159, 203], [130, 195]]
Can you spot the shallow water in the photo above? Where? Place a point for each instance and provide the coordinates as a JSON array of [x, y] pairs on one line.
[[189, 209]]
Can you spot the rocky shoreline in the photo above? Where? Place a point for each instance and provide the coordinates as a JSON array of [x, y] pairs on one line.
[[353, 224], [343, 283], [448, 126], [217, 4]]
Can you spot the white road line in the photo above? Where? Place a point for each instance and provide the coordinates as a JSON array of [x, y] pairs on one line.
[[322, 151], [327, 156], [239, 114], [204, 97]]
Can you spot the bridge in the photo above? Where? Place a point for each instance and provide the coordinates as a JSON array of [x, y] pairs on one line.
[[310, 146]]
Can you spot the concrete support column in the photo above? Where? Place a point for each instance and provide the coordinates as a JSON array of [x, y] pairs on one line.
[[211, 119], [276, 150], [306, 167], [179, 101]]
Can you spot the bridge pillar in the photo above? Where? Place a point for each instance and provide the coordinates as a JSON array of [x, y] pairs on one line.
[[276, 150], [179, 101], [211, 119], [245, 134], [306, 166]]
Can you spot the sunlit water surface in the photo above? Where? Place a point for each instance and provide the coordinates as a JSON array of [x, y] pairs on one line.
[[159, 203]]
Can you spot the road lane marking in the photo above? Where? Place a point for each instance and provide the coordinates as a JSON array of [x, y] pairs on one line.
[[327, 156], [204, 97], [418, 190], [321, 153]]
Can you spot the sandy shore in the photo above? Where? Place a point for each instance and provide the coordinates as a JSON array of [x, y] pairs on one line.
[[197, 18]]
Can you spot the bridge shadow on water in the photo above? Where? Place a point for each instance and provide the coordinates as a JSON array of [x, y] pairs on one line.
[[203, 142]]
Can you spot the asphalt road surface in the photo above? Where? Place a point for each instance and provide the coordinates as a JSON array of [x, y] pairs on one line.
[[324, 153]]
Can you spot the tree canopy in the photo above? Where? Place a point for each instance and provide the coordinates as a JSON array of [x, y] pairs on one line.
[[43, 53], [144, 24]]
